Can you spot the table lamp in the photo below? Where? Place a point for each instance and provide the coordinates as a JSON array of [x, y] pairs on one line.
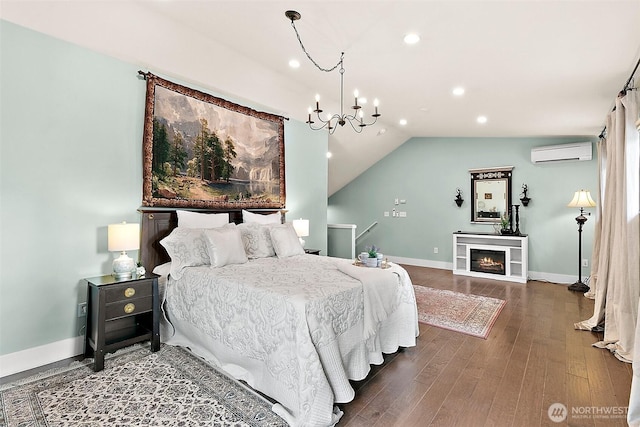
[[121, 238], [302, 229]]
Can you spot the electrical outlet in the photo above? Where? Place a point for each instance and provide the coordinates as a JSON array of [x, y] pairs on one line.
[[82, 309], [402, 214], [386, 213], [585, 262], [435, 250]]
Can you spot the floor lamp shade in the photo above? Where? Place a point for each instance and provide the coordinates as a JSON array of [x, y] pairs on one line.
[[121, 238], [581, 199]]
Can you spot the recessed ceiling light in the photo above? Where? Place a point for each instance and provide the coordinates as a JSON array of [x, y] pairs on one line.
[[482, 119], [411, 38], [294, 63], [403, 122], [329, 154], [382, 131], [458, 91]]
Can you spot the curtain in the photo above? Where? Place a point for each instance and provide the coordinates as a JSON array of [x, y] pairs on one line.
[[597, 237], [615, 281], [633, 415], [617, 274]]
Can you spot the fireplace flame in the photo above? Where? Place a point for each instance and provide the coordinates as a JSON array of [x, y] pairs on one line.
[[488, 262]]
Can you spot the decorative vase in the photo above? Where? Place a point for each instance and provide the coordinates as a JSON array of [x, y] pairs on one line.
[[371, 262]]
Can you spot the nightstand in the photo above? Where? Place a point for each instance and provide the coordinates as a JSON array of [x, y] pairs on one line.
[[121, 313], [312, 251]]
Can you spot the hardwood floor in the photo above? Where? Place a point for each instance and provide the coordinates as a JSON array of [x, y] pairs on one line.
[[532, 359]]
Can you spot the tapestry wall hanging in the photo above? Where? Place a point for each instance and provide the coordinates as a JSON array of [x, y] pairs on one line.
[[200, 151]]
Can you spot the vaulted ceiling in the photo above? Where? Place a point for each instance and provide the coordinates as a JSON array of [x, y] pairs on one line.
[[532, 68]]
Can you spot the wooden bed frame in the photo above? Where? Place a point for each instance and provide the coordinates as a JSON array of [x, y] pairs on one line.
[[157, 223]]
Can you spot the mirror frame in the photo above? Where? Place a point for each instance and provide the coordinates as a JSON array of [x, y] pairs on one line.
[[490, 174]]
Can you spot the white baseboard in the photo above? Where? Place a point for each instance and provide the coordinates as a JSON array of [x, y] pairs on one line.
[[552, 277], [422, 262], [533, 275], [30, 358]]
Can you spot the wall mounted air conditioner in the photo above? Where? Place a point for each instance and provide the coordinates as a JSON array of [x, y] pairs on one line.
[[576, 151]]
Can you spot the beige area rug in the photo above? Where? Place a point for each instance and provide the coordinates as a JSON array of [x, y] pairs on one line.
[[469, 314], [137, 388]]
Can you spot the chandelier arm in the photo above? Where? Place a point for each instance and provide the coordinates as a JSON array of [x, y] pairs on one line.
[[355, 129], [326, 70], [361, 123], [324, 125]]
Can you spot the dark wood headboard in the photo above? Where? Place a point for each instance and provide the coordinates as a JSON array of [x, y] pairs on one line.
[[157, 223]]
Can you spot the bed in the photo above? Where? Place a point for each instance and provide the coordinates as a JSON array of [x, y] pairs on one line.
[[296, 327]]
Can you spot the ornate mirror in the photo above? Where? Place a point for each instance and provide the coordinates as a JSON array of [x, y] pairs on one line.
[[491, 190]]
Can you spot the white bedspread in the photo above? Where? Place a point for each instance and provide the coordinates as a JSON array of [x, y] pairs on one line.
[[292, 328], [380, 289]]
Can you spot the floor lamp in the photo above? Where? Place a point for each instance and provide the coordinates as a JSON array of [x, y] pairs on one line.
[[582, 199]]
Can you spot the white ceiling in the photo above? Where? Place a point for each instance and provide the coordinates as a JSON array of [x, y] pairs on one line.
[[534, 68]]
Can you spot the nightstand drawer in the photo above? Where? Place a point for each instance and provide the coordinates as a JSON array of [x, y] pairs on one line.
[[128, 307], [127, 292]]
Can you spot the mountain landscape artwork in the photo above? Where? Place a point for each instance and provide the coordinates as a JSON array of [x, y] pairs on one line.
[[202, 151]]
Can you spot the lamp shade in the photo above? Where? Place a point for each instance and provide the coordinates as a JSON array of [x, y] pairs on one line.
[[582, 199], [301, 226], [123, 237]]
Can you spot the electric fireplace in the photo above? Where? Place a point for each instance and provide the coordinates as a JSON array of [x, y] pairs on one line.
[[491, 255], [488, 261]]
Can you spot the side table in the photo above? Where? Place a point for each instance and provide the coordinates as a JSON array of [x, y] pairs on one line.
[[121, 313]]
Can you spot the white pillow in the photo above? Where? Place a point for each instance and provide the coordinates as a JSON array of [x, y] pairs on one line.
[[225, 246], [285, 240], [188, 219], [256, 240], [187, 248], [261, 218]]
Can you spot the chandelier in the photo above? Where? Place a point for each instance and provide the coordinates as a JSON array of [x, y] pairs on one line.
[[356, 119]]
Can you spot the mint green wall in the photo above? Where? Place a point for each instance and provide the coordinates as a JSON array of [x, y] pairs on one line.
[[71, 163], [306, 164], [426, 172]]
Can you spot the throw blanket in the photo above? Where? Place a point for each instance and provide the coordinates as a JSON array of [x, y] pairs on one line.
[[380, 291]]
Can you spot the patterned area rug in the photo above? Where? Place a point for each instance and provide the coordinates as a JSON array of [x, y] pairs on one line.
[[137, 388], [469, 314]]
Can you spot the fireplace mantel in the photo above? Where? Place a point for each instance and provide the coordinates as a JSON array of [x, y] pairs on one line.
[[515, 249]]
